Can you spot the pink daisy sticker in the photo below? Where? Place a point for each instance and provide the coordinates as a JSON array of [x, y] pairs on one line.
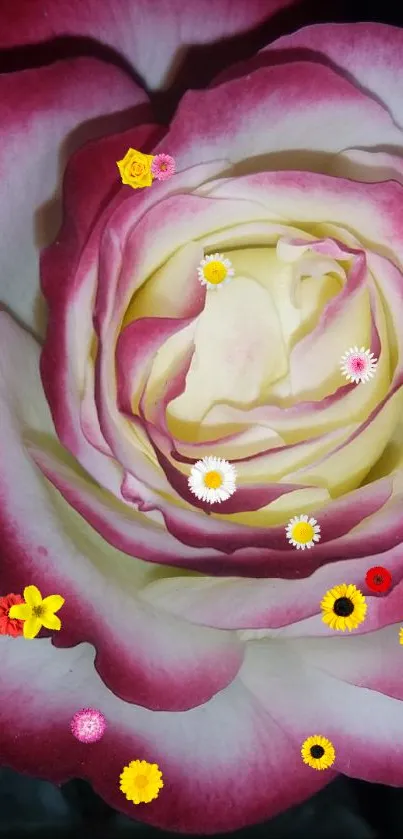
[[358, 365], [162, 167], [88, 725]]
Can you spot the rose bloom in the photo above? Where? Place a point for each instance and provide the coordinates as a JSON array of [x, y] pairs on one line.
[[196, 629]]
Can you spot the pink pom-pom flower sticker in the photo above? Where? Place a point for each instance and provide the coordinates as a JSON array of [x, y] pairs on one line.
[[88, 725], [162, 167]]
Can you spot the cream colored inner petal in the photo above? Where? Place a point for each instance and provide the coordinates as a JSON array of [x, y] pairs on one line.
[[346, 469], [391, 459], [239, 350], [165, 365], [315, 362], [248, 443], [250, 235], [280, 511], [367, 166], [280, 464], [299, 292], [353, 408], [277, 465], [254, 346], [297, 300], [168, 288]]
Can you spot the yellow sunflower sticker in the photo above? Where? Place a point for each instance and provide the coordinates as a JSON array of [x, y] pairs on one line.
[[343, 607], [318, 752]]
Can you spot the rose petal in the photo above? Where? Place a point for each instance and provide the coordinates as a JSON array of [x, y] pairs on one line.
[[244, 550], [248, 496], [291, 116], [201, 754], [152, 37], [65, 362], [239, 349], [69, 290], [367, 53], [137, 346], [49, 112], [235, 603], [368, 166], [259, 722], [140, 655]]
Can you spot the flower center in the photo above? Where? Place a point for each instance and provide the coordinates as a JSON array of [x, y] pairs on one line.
[[212, 479], [357, 364], [378, 579], [343, 607], [37, 611], [303, 532], [215, 272], [317, 752], [136, 169], [141, 781]]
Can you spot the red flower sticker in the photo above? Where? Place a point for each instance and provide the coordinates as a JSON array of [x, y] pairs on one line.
[[10, 626], [378, 578]]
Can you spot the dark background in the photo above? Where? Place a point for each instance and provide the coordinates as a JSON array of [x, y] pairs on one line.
[[345, 809]]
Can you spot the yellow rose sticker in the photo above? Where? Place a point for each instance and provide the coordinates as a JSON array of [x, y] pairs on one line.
[[135, 169]]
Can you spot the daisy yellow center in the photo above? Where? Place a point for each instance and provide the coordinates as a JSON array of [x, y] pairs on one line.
[[303, 532], [215, 272], [141, 781], [212, 479]]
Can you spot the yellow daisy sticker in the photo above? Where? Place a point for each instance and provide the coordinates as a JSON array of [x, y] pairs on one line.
[[215, 271], [302, 532], [141, 782]]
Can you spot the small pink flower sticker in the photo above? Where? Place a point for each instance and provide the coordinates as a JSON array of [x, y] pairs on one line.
[[358, 365], [162, 167], [88, 725]]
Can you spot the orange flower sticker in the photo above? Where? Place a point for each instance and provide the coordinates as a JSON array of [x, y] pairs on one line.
[[10, 626], [135, 169]]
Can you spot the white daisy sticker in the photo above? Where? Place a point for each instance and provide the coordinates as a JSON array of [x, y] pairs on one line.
[[212, 479], [358, 365], [215, 271], [302, 532]]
